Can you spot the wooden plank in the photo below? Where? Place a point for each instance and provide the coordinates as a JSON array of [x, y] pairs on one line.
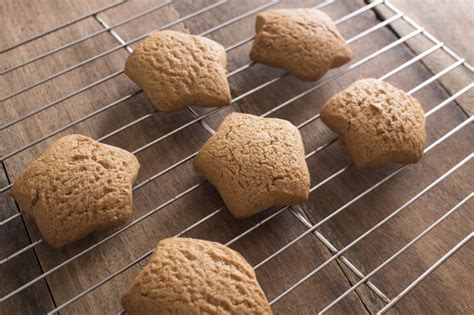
[[304, 256]]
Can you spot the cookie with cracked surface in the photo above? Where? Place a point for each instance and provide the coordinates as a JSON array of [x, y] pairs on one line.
[[176, 70], [305, 42], [255, 163], [191, 276], [378, 123], [77, 186]]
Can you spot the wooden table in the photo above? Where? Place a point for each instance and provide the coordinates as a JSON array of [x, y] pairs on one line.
[[449, 289]]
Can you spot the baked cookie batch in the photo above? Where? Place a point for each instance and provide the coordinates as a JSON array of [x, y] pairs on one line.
[[79, 185]]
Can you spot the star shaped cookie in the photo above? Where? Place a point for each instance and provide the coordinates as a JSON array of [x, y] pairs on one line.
[[305, 42], [255, 163], [77, 186], [378, 123], [176, 70], [190, 276]]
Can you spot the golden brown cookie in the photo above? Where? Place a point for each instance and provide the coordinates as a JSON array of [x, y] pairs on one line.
[[77, 186], [190, 276], [377, 122], [176, 70], [305, 42], [255, 163]]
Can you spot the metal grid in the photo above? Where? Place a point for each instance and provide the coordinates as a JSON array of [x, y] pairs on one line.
[[337, 254]]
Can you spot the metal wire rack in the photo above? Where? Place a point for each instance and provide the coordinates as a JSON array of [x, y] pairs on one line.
[[337, 254]]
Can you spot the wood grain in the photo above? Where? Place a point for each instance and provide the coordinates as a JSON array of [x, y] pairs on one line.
[[281, 272]]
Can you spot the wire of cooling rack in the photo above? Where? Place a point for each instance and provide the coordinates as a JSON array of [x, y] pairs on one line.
[[353, 66], [121, 100], [307, 232], [403, 67], [8, 155], [311, 228], [105, 280], [186, 159]]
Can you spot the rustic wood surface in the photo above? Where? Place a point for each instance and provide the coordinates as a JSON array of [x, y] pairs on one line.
[[448, 290]]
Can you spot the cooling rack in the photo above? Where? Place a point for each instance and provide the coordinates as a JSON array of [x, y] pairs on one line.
[[313, 222]]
